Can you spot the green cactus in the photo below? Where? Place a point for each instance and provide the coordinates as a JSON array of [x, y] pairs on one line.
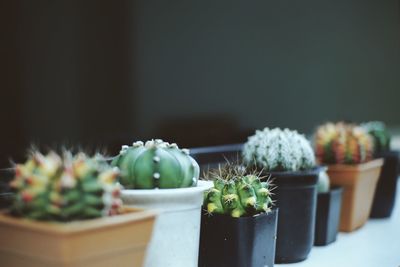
[[156, 164], [65, 188], [236, 193], [380, 135], [278, 150], [323, 182]]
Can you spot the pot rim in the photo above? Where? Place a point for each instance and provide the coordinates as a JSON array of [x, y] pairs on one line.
[[273, 212], [315, 170], [375, 163], [201, 186], [75, 227]]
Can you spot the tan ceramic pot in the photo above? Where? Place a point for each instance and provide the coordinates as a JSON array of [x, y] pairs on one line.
[[359, 184], [176, 236], [118, 241]]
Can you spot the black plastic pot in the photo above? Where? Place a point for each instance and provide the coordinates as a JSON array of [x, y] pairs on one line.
[[210, 157], [328, 216], [385, 192], [296, 198], [238, 242]]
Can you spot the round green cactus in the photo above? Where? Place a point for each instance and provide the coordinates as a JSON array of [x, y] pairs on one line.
[[237, 194], [65, 188], [156, 164], [279, 150], [380, 135]]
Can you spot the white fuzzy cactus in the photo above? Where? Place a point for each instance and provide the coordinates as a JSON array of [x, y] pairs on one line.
[[279, 150]]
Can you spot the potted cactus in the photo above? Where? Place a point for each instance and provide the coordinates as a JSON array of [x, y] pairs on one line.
[[161, 176], [385, 193], [65, 202], [238, 226], [329, 202], [289, 158], [347, 149]]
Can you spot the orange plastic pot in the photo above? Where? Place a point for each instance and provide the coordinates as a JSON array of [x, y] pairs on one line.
[[359, 184], [113, 241]]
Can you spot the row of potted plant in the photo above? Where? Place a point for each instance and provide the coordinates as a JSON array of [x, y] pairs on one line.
[[70, 209], [305, 218], [270, 197]]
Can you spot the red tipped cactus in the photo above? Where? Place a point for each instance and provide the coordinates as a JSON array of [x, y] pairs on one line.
[[342, 143], [65, 188]]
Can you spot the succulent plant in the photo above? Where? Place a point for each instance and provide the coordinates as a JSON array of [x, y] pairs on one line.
[[278, 150], [380, 135], [237, 193], [65, 188], [342, 143], [156, 164], [323, 182]]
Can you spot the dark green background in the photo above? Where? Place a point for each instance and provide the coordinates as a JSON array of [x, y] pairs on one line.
[[103, 73]]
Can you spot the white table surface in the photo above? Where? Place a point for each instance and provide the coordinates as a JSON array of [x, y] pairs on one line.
[[376, 244]]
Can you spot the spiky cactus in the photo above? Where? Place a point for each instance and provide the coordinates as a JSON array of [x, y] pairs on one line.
[[342, 143], [380, 135], [65, 188], [156, 164], [236, 193], [279, 150]]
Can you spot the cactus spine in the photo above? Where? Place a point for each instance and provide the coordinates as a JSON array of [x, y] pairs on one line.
[[65, 188], [279, 150], [342, 143], [156, 164], [237, 194]]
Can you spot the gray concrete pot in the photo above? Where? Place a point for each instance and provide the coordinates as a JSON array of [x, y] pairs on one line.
[[176, 234]]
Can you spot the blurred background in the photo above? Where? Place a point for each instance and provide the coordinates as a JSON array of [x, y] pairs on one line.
[[106, 73]]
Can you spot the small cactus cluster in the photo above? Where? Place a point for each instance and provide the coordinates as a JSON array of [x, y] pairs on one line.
[[278, 150], [342, 143], [380, 135], [237, 193], [156, 164], [65, 188]]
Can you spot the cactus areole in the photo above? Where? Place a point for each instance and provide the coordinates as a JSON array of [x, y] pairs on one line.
[[156, 164]]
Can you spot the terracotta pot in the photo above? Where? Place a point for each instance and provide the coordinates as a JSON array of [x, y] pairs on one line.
[[359, 184], [236, 242], [113, 241]]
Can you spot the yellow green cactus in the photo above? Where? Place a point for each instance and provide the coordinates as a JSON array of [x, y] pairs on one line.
[[65, 188], [237, 193]]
